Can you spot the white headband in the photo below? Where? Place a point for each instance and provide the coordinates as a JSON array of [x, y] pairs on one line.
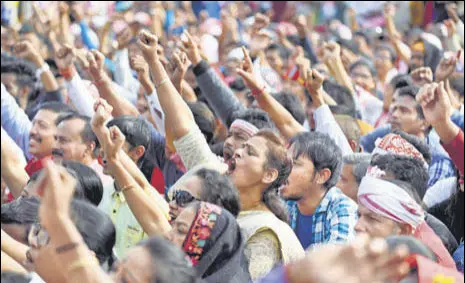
[[245, 126], [390, 201]]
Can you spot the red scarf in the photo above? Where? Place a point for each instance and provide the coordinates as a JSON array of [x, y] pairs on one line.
[[426, 235], [429, 271], [35, 165]]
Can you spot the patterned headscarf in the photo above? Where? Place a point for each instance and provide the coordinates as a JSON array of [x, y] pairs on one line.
[[395, 144], [215, 245]]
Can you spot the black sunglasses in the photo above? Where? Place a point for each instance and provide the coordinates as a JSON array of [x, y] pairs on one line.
[[183, 198]]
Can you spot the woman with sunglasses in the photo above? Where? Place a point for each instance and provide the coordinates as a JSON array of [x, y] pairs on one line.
[[259, 167], [208, 234], [208, 186]]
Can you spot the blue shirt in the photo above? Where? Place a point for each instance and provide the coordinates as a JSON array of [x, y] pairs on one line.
[[333, 221], [458, 258], [304, 229]]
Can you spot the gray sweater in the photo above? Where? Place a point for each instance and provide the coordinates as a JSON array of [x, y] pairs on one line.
[[220, 97]]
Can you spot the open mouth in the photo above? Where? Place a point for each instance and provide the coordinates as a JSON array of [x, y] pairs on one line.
[[231, 166], [227, 155]]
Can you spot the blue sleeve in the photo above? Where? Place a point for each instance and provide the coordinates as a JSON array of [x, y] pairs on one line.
[[110, 65], [86, 37], [15, 122], [368, 141], [306, 43]]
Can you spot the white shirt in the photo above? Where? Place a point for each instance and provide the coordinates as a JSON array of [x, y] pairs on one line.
[[441, 191]]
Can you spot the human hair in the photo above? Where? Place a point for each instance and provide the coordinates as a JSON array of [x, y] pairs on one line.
[[204, 118], [56, 107], [344, 99], [12, 277], [364, 35], [278, 159], [90, 182], [360, 163], [350, 128], [456, 83], [24, 71], [22, 211], [95, 227], [218, 189], [404, 168], [136, 131], [419, 144], [401, 80], [412, 92], [282, 51], [388, 48], [87, 134], [292, 104], [169, 263], [322, 151], [256, 117], [365, 63]]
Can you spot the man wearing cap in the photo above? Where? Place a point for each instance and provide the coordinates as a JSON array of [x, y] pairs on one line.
[[388, 207]]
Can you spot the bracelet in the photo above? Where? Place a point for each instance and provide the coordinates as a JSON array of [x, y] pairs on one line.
[[257, 92], [81, 263], [164, 81], [68, 73], [66, 248], [99, 82], [127, 188], [45, 67]]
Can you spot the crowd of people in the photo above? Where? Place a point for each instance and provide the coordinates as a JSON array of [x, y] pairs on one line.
[[232, 142]]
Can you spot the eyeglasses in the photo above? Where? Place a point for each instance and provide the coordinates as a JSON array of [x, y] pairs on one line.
[[183, 198], [37, 237]]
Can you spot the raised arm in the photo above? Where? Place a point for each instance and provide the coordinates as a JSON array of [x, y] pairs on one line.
[[8, 264], [304, 35], [178, 115], [285, 122], [332, 59], [139, 64], [324, 119], [123, 72], [54, 214], [15, 121], [25, 50], [105, 87], [16, 250], [82, 101], [437, 109], [12, 166], [218, 94], [403, 51], [142, 200]]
